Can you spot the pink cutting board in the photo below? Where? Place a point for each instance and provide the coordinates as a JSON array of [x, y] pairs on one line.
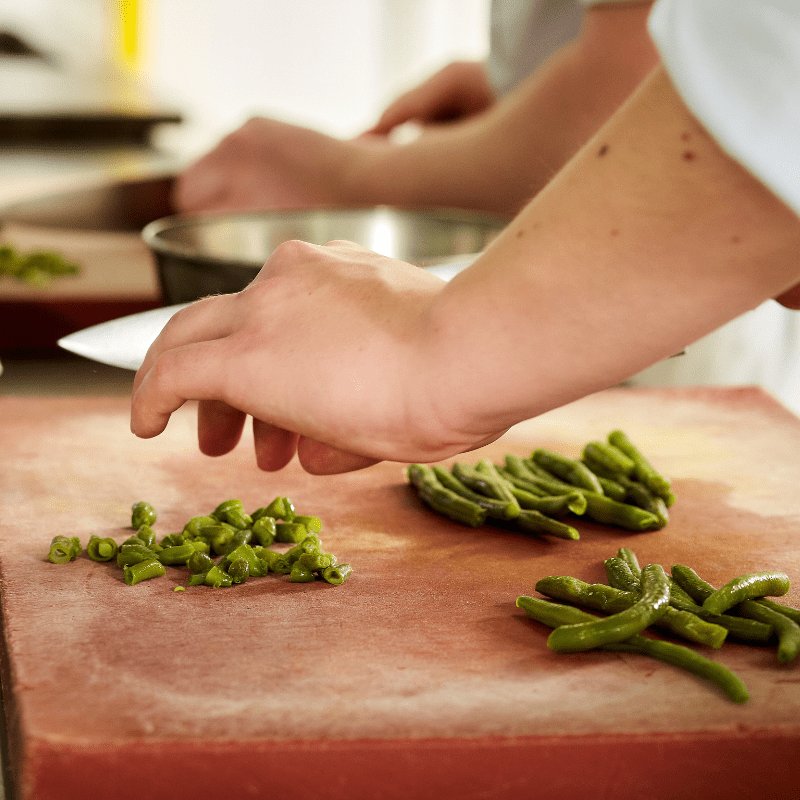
[[416, 679]]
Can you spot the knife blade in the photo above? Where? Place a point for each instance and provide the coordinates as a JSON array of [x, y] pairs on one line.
[[121, 342]]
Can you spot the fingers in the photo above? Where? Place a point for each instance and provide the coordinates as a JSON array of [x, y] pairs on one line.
[[322, 459], [219, 427], [173, 378], [274, 446], [203, 320]]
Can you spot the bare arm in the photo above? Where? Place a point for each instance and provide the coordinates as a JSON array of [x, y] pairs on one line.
[[649, 238]]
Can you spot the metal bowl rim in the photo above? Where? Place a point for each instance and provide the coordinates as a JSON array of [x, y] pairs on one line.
[[152, 231]]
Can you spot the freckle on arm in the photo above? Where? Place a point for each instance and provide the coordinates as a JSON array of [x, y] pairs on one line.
[[602, 151]]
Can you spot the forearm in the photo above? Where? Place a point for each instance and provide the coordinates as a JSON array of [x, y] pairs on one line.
[[648, 239], [498, 160]]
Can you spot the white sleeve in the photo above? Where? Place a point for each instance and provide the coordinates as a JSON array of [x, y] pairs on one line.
[[737, 67]]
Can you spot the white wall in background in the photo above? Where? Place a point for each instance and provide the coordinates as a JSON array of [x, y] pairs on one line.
[[329, 64]]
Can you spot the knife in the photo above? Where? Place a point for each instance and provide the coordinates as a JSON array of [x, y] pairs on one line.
[[124, 342]]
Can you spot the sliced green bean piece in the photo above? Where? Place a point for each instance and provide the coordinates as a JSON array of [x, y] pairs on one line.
[[443, 500], [746, 587], [280, 508], [197, 579], [64, 549], [536, 522], [142, 513], [337, 574], [568, 469], [101, 549], [177, 554], [195, 525], [143, 571], [300, 574], [313, 524], [555, 614], [199, 563], [128, 556], [496, 509], [147, 535], [238, 570], [247, 554], [264, 531], [650, 606], [290, 532], [217, 578], [644, 470], [316, 562]]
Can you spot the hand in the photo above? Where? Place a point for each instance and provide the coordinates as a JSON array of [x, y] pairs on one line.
[[790, 298], [268, 164], [328, 351], [458, 90]]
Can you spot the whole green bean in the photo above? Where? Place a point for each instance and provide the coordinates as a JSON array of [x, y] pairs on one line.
[[787, 631], [627, 555], [604, 598], [621, 576], [568, 469], [746, 630], [609, 461], [496, 509], [142, 513], [536, 522], [650, 606], [443, 500], [489, 484], [746, 587], [143, 571], [554, 505], [643, 470], [612, 488], [622, 515], [555, 614]]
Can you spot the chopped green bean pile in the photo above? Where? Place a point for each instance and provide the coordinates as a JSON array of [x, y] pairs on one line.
[[224, 548], [36, 268], [612, 483], [679, 603]]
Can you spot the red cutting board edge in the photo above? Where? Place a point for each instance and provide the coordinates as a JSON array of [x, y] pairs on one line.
[[418, 678]]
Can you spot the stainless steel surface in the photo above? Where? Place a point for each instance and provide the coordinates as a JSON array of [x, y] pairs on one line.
[[212, 253]]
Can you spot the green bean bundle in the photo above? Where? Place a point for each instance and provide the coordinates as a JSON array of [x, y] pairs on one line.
[[681, 604], [538, 494]]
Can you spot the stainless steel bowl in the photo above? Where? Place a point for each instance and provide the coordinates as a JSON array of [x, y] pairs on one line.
[[198, 255]]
